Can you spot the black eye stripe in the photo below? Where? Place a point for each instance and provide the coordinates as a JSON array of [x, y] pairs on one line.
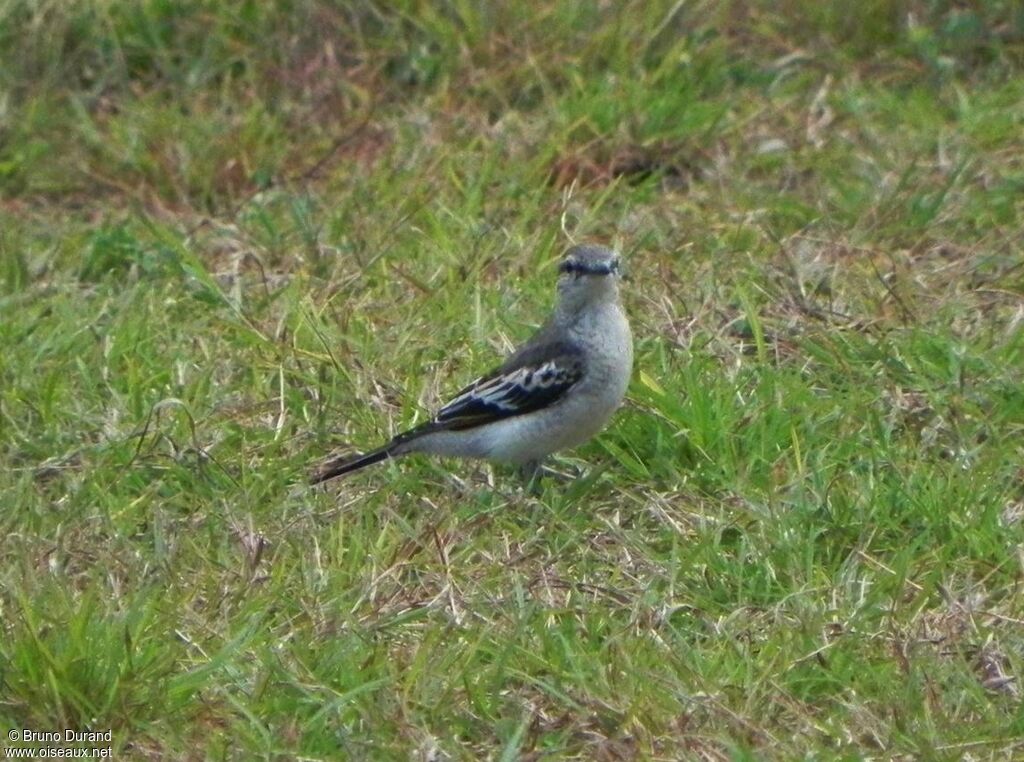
[[575, 266]]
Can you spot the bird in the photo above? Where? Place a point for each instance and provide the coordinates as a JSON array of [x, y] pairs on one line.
[[556, 391]]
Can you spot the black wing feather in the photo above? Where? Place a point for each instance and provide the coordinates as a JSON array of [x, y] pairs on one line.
[[533, 378]]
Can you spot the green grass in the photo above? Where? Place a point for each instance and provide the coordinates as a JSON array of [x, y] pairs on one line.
[[233, 240]]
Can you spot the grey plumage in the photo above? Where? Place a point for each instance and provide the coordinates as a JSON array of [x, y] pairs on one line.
[[556, 391]]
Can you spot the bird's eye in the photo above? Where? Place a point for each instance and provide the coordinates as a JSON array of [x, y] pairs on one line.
[[569, 266]]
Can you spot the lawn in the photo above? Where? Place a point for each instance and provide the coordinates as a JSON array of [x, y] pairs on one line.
[[237, 237]]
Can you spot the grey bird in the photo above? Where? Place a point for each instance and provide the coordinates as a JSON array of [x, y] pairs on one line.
[[556, 391]]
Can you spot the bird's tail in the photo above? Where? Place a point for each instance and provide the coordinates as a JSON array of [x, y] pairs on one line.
[[346, 464], [402, 444]]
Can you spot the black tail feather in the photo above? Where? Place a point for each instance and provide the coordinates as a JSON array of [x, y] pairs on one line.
[[348, 463]]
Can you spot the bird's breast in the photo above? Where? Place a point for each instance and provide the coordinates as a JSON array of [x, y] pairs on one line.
[[609, 342]]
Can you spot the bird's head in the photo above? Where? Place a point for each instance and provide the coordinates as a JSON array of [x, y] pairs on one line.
[[588, 273]]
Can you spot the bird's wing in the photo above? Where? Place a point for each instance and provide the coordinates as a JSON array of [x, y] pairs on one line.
[[535, 377]]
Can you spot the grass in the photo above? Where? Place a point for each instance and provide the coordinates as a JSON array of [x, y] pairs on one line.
[[232, 240]]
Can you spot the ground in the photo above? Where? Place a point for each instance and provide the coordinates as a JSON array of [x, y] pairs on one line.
[[237, 237]]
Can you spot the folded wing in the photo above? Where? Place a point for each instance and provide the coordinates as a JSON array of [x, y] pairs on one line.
[[533, 378]]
